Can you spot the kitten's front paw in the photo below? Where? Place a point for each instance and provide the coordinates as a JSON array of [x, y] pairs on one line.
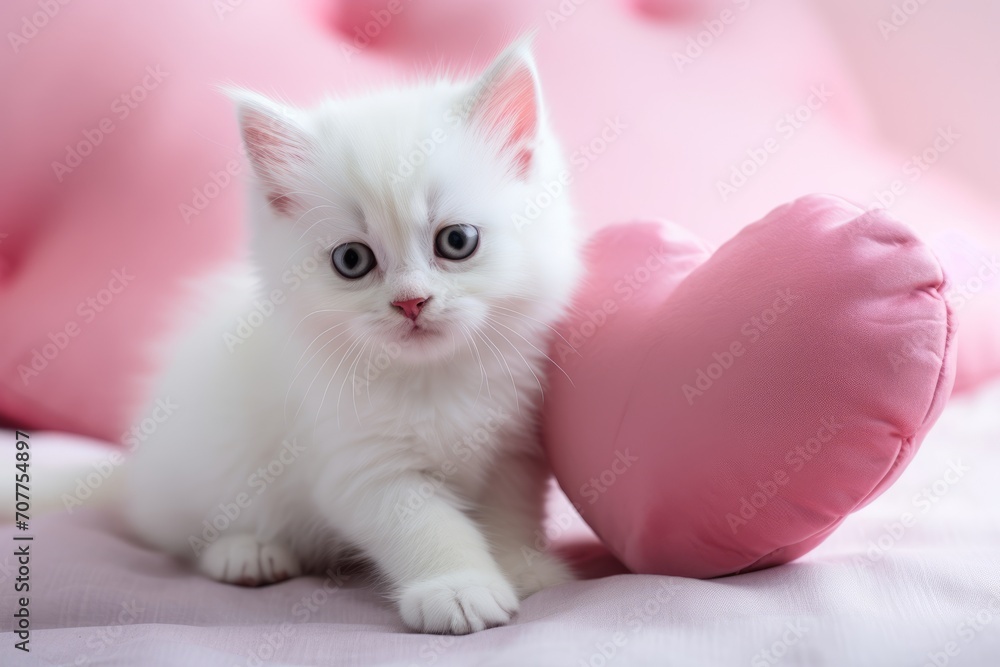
[[458, 603], [531, 571], [242, 560]]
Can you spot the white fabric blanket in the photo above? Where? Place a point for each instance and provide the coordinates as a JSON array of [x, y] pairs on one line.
[[913, 579]]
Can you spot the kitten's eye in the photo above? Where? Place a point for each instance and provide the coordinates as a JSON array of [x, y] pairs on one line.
[[353, 260], [457, 242]]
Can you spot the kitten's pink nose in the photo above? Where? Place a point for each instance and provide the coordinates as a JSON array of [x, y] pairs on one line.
[[411, 307]]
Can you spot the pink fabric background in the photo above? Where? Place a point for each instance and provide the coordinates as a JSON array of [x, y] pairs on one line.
[[682, 130]]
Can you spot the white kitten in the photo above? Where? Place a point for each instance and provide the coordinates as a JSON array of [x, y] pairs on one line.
[[374, 386]]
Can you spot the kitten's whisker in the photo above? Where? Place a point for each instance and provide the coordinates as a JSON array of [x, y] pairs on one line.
[[305, 395], [291, 384], [333, 376], [341, 210], [482, 369], [516, 315], [235, 152], [315, 193], [316, 180], [309, 228], [496, 352], [352, 373], [526, 364], [454, 347], [320, 335], [312, 193], [551, 360], [295, 253], [570, 308], [318, 206], [315, 312], [368, 380]]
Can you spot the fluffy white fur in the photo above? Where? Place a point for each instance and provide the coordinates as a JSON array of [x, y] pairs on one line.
[[337, 427]]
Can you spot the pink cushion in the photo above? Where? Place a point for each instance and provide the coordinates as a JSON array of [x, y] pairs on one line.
[[724, 411], [148, 199], [158, 197]]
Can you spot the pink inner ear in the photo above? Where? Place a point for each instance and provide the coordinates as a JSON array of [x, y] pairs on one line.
[[262, 145], [274, 152], [280, 203], [511, 107], [515, 98], [271, 146]]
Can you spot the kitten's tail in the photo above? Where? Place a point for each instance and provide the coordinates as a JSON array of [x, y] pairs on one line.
[[59, 472]]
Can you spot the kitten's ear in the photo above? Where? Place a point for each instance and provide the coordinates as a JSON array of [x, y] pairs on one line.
[[278, 146], [506, 103]]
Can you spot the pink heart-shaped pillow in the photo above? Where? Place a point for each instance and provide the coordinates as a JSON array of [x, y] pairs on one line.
[[723, 412]]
